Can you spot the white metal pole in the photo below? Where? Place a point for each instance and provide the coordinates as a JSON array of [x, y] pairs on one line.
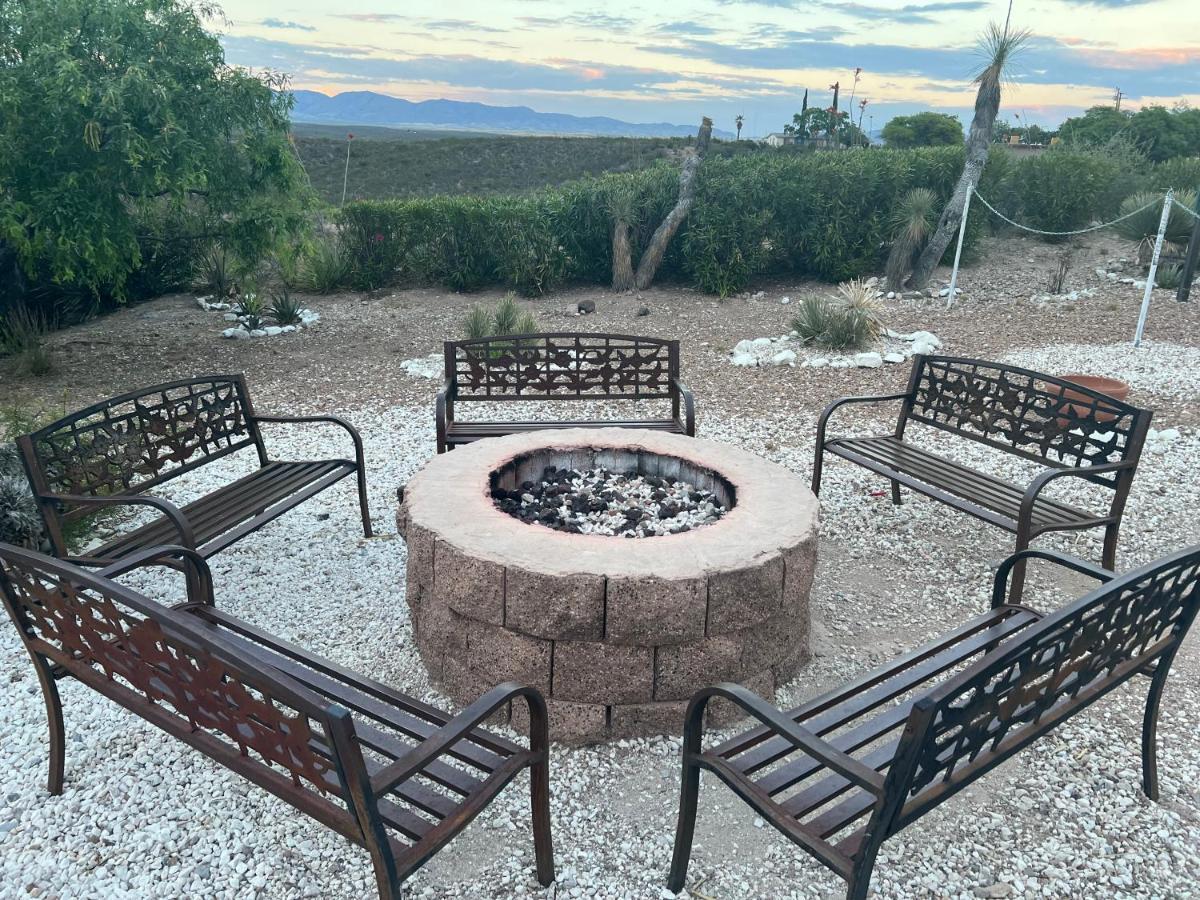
[[1158, 244], [346, 171], [962, 230]]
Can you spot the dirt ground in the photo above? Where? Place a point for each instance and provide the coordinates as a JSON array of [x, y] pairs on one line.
[[351, 358]]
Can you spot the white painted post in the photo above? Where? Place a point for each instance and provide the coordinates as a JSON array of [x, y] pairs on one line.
[[1158, 244], [962, 230]]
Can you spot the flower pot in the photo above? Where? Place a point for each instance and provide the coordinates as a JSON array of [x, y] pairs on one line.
[[1111, 387]]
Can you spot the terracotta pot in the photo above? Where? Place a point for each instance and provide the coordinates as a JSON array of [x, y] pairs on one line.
[[1110, 387]]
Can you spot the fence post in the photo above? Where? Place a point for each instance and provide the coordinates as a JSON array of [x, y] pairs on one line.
[[1158, 243], [1193, 254], [962, 230]]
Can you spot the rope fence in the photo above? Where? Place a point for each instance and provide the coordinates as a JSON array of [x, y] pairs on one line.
[[1168, 201]]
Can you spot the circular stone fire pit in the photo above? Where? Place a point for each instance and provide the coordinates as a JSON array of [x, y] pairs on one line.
[[617, 632]]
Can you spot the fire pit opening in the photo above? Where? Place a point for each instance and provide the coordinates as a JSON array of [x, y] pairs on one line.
[[624, 493]]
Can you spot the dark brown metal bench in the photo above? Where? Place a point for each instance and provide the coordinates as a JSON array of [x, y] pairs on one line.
[[114, 452], [387, 772], [560, 366], [842, 773], [1082, 434]]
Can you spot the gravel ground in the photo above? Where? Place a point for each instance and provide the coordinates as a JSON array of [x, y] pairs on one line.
[[143, 816]]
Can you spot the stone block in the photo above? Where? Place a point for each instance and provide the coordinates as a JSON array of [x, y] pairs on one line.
[[638, 719], [721, 713], [497, 654], [741, 597], [649, 611], [602, 673], [469, 585], [766, 644], [683, 668], [554, 606], [573, 723], [420, 544], [799, 566]]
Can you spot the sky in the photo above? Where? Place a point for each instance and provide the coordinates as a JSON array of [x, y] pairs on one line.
[[677, 60]]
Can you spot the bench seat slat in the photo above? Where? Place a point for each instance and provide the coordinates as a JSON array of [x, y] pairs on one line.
[[998, 501], [263, 494]]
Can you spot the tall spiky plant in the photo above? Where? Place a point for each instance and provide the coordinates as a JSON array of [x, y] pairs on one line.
[[998, 46], [911, 223]]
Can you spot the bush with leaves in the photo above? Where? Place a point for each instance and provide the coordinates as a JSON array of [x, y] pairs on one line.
[[912, 222], [23, 337], [1063, 190], [506, 317], [1143, 226], [284, 308], [148, 125]]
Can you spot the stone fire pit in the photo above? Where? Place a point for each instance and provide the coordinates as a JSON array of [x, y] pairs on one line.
[[617, 632]]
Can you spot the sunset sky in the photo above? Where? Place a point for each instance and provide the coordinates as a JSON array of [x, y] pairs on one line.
[[676, 61]]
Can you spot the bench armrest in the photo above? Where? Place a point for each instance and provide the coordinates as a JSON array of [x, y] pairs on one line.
[[1040, 482], [322, 420], [200, 588], [800, 737], [1074, 563], [828, 411], [404, 768], [444, 411], [689, 407], [172, 512]]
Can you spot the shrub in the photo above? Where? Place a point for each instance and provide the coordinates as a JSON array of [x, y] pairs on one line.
[[322, 266], [849, 321], [250, 309], [216, 272], [1182, 174], [1169, 276], [1143, 226], [23, 337], [1061, 190]]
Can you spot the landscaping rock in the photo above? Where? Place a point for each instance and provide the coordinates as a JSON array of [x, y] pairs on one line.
[[868, 360], [586, 306]]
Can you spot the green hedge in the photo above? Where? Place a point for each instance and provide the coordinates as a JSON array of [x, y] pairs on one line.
[[818, 214]]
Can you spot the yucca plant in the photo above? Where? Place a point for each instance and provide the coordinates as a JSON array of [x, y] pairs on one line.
[[1143, 226], [478, 323], [285, 309], [23, 336], [216, 269], [1168, 276], [911, 223], [506, 317], [849, 321]]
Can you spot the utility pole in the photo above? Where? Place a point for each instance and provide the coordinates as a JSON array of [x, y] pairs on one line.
[[1117, 97], [1189, 262]]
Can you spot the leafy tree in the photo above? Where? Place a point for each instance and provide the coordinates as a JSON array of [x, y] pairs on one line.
[[814, 121], [924, 129], [1097, 126], [117, 113], [1158, 132]]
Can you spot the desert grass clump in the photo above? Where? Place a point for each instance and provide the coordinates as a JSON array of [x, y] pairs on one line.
[[848, 321], [1169, 276], [1143, 226], [250, 310], [216, 270], [912, 221], [506, 317], [23, 333], [323, 267]]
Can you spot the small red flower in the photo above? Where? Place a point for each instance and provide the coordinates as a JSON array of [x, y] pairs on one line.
[[378, 237]]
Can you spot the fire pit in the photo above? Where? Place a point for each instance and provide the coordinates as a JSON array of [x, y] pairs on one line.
[[705, 577]]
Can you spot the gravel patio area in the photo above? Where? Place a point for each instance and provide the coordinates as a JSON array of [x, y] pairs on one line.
[[144, 816]]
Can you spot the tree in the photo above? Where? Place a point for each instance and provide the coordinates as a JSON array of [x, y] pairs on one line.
[[814, 121], [999, 46], [115, 113], [739, 121], [1097, 126], [924, 129]]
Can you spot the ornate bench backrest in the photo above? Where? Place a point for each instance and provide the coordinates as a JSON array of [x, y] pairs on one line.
[[159, 664], [562, 366], [132, 442], [1046, 673], [1025, 413]]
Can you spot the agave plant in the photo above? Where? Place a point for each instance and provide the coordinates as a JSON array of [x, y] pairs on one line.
[[911, 224], [285, 309], [250, 310]]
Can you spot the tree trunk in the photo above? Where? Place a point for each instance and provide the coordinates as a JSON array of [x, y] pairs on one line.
[[947, 227], [657, 248], [622, 263]]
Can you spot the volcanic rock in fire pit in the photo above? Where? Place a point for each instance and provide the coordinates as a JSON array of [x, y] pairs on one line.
[[601, 501]]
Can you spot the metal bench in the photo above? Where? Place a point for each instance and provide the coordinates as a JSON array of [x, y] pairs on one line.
[[387, 772], [1069, 429], [113, 453], [842, 773], [560, 366]]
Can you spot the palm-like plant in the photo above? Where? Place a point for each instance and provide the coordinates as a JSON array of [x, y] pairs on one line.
[[739, 121], [911, 224], [998, 46]]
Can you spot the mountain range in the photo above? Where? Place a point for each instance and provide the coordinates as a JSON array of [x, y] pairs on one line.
[[370, 108]]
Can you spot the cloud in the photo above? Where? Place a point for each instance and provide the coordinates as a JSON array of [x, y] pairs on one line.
[[688, 28], [280, 23], [910, 14]]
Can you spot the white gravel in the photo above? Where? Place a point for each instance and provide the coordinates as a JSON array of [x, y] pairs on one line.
[[143, 816], [1163, 368]]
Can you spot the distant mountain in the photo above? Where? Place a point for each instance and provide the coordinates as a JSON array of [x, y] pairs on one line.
[[370, 108]]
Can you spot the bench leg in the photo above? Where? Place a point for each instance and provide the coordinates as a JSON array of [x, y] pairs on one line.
[[539, 792], [54, 718], [895, 493], [689, 787], [816, 476], [1016, 584], [1109, 560], [362, 502], [858, 885], [1150, 727]]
